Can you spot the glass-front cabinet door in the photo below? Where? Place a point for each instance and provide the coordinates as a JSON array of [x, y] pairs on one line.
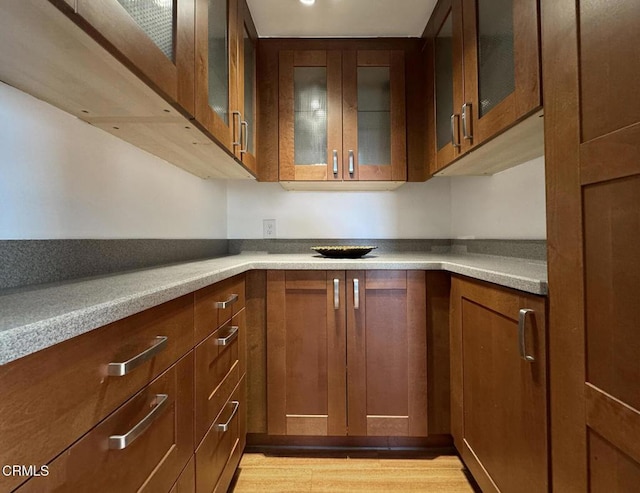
[[445, 56], [216, 70], [155, 39], [374, 116], [310, 119], [501, 46], [247, 105]]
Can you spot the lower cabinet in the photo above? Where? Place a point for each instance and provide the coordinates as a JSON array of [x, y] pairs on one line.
[[133, 406], [346, 353], [499, 385], [153, 431]]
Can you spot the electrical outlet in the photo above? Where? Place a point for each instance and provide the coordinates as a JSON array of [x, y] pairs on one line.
[[269, 228]]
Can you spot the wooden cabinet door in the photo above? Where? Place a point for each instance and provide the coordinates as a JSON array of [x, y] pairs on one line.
[[310, 115], [247, 105], [387, 353], [501, 66], [499, 399], [373, 116], [306, 375], [591, 54], [155, 39], [216, 85], [445, 68]]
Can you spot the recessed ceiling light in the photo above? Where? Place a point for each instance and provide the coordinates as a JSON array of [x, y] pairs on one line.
[[308, 2]]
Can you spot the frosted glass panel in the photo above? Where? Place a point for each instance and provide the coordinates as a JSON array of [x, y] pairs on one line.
[[374, 116], [444, 82], [249, 88], [310, 115], [496, 79], [156, 18], [219, 59]]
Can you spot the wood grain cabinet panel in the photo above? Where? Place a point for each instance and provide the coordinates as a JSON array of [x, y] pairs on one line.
[[499, 399], [160, 451], [67, 389], [216, 304], [153, 39], [315, 385]]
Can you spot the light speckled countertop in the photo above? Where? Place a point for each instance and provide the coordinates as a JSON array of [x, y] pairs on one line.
[[35, 318]]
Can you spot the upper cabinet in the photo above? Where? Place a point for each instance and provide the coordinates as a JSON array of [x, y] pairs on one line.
[[485, 63], [341, 113], [155, 37], [225, 75]]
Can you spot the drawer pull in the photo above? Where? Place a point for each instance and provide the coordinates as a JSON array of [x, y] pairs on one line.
[[223, 427], [522, 321], [126, 367], [229, 338], [120, 442], [227, 303], [356, 294], [336, 294]]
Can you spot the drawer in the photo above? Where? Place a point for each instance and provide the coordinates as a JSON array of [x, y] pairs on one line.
[[56, 395], [186, 483], [216, 304], [218, 370], [215, 457], [143, 446]]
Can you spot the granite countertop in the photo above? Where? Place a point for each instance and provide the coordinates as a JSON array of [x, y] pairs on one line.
[[35, 318]]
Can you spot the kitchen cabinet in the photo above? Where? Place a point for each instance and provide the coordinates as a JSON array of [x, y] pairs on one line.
[[499, 385], [155, 39], [225, 75], [126, 406], [346, 353], [342, 115], [592, 136], [484, 60]]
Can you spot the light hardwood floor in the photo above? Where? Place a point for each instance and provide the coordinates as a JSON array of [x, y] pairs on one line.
[[259, 473]]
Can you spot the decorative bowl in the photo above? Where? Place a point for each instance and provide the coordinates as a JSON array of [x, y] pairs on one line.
[[343, 251]]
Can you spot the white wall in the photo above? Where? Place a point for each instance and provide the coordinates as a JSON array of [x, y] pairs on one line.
[[509, 205], [62, 178], [415, 210]]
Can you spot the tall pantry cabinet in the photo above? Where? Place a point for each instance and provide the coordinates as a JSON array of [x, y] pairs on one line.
[[592, 136]]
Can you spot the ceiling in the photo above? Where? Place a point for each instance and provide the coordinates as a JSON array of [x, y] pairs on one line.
[[341, 18]]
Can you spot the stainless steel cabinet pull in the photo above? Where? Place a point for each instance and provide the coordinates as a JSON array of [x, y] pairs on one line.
[[229, 338], [453, 132], [351, 163], [465, 125], [122, 369], [356, 294], [237, 141], [522, 320], [336, 294], [120, 442], [223, 427], [221, 305], [335, 162], [244, 141]]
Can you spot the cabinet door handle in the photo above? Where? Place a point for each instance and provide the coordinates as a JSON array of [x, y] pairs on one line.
[[465, 125], [335, 162], [126, 367], [221, 305], [351, 163], [336, 294], [522, 321], [120, 442], [232, 334], [244, 136], [224, 427], [236, 141], [453, 132], [356, 294]]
